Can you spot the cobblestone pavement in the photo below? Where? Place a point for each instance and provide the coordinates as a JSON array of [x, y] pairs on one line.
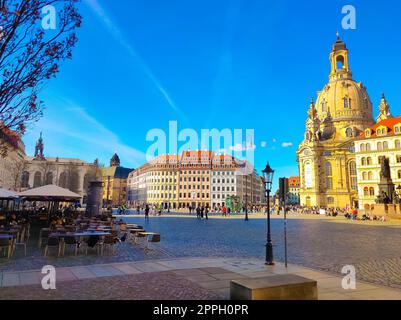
[[145, 286], [318, 244]]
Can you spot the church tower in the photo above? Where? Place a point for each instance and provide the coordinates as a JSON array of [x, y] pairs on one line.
[[326, 156], [384, 110], [39, 149]]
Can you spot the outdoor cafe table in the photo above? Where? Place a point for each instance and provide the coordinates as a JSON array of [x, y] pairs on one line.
[[7, 236], [147, 235]]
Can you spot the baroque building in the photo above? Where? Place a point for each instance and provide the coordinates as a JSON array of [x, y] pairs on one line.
[[326, 156], [193, 178], [114, 180], [379, 142]]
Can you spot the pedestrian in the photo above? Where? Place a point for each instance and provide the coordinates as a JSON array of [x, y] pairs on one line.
[[206, 212], [137, 209], [197, 212], [147, 212], [202, 211]]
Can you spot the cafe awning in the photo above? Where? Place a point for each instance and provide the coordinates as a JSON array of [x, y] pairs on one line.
[[50, 193], [8, 194]]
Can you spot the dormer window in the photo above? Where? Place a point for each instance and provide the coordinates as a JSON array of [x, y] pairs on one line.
[[397, 128], [381, 131], [367, 133]]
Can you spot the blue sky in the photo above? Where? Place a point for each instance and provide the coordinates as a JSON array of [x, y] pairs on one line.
[[207, 64]]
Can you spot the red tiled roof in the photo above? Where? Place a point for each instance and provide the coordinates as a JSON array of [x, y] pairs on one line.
[[389, 123]]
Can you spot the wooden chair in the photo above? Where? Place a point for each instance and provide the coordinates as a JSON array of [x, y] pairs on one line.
[[108, 242], [71, 241], [43, 236], [6, 247]]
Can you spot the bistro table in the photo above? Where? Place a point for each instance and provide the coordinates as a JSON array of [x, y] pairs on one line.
[[146, 235]]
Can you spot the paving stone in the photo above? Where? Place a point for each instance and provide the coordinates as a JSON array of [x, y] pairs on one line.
[[28, 278], [126, 268], [10, 279], [216, 284], [199, 278], [82, 272]]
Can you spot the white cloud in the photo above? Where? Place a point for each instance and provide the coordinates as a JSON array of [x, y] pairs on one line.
[[243, 147], [286, 144]]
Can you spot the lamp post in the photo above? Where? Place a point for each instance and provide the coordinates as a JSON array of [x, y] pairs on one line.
[[268, 173]]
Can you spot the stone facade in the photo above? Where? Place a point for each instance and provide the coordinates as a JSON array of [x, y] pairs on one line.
[[194, 178], [383, 140]]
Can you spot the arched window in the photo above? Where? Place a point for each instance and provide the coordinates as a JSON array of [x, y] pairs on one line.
[[324, 106], [49, 178], [379, 146], [349, 133], [366, 191], [37, 179], [363, 161], [399, 174], [385, 145], [330, 200], [363, 147], [371, 191], [369, 161], [329, 175], [353, 175], [347, 103], [364, 176], [368, 147], [370, 175], [25, 179], [63, 180]]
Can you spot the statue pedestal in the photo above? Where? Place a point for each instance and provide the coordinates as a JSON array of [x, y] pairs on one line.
[[393, 211], [380, 209]]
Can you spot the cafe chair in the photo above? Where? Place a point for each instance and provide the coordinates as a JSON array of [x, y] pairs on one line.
[[6, 247], [71, 241], [155, 239], [55, 243]]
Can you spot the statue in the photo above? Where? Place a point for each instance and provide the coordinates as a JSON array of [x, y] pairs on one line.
[[385, 173]]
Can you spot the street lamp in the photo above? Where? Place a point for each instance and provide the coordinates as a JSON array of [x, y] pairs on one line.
[[268, 173]]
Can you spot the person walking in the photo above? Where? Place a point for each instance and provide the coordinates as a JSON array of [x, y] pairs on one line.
[[147, 212], [206, 212], [202, 210], [224, 211], [197, 212]]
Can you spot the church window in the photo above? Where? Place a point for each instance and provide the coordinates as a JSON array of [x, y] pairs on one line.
[[349, 133], [25, 180], [329, 176], [324, 106], [353, 175], [37, 179], [49, 178], [347, 103]]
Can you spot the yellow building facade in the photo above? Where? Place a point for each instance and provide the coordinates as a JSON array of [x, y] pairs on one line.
[[326, 156]]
